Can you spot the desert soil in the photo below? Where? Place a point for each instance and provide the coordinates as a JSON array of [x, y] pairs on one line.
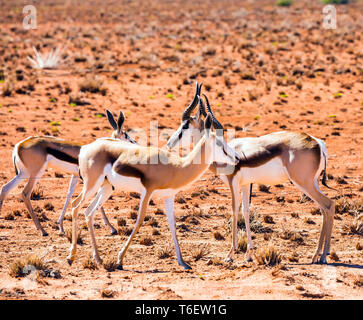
[[264, 68]]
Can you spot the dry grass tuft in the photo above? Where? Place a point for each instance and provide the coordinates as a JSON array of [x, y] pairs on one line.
[[345, 205], [357, 225], [333, 255], [121, 222], [146, 241], [92, 84], [9, 216], [90, 264], [268, 219], [68, 234], [268, 256], [200, 252], [242, 241], [110, 264], [218, 236], [294, 257], [358, 280], [26, 265], [107, 293], [164, 253], [124, 231], [215, 261]]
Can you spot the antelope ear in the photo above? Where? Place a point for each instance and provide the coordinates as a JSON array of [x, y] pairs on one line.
[[120, 121], [111, 120]]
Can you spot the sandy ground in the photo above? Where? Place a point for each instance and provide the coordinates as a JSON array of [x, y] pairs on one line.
[[264, 68]]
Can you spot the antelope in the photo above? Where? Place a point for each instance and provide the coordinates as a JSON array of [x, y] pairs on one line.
[[270, 159], [33, 155], [107, 164]]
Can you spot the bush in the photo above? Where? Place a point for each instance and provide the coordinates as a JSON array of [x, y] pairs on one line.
[[284, 3]]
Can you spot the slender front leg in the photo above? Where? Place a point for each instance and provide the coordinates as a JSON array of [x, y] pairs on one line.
[[27, 191], [76, 204], [169, 207], [13, 183], [107, 222], [246, 216], [71, 188], [144, 201], [321, 238], [233, 184], [102, 196]]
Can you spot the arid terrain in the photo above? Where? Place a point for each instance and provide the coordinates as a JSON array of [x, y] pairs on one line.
[[264, 68]]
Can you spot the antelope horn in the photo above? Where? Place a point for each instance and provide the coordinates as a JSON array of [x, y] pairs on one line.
[[188, 111], [202, 108], [217, 124]]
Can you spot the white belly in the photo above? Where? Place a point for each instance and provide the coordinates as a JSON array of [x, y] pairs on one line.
[[130, 184], [272, 172], [63, 166]]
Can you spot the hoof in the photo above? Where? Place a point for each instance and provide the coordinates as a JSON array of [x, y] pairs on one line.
[[70, 261], [45, 234], [228, 259], [186, 266], [61, 233], [119, 267], [114, 233]]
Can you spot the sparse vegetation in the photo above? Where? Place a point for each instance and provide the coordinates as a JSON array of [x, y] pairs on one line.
[[284, 3], [268, 256], [200, 252], [26, 265]]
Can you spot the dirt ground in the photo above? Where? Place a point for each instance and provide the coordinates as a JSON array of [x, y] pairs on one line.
[[264, 68]]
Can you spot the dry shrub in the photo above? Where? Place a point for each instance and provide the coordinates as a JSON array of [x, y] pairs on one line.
[[146, 241], [107, 293], [24, 266], [309, 221], [268, 219], [294, 257], [92, 84], [242, 241], [215, 261], [164, 253], [37, 194], [344, 205], [268, 256], [333, 255], [48, 206], [121, 222], [358, 280], [68, 234], [90, 264], [264, 188], [218, 236], [155, 232], [110, 264], [9, 216], [357, 225], [200, 252], [255, 225], [124, 231], [133, 215], [153, 222]]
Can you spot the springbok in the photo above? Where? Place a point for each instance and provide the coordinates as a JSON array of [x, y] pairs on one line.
[[107, 164], [270, 159], [34, 155]]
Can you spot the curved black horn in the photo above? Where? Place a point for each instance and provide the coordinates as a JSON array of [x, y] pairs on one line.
[[217, 124], [188, 111], [202, 108], [120, 121]]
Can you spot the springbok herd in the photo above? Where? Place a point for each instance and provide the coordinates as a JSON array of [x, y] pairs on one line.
[[120, 163]]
